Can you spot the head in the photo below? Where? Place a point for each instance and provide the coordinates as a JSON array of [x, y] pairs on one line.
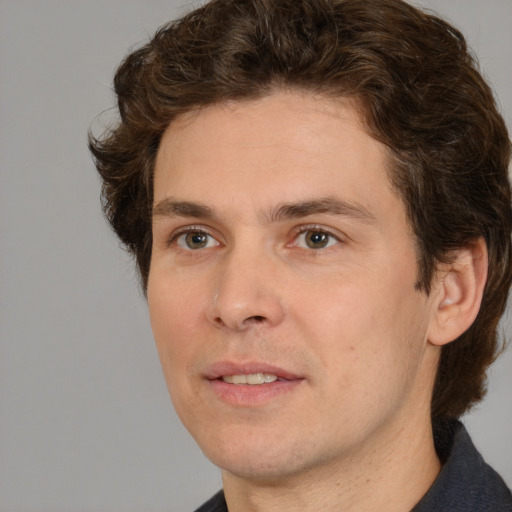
[[417, 91]]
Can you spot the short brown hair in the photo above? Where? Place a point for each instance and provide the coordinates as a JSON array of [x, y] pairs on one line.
[[421, 95]]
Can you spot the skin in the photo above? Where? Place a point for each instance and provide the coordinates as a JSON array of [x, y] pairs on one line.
[[323, 292]]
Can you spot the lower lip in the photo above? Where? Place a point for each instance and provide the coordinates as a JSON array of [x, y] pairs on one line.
[[246, 395]]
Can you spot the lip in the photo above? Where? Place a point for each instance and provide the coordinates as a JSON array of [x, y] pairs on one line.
[[246, 395], [223, 368]]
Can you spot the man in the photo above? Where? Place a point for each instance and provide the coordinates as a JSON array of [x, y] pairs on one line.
[[316, 194]]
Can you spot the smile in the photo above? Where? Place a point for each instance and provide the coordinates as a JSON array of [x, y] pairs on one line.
[[250, 384], [252, 379]]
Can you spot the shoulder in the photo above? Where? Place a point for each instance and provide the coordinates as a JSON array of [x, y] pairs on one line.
[[216, 503], [465, 482]]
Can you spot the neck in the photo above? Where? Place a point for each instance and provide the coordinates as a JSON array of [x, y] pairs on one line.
[[390, 473]]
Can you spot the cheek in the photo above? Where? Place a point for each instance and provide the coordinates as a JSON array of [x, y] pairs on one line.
[[364, 333], [171, 316], [173, 303], [170, 322]]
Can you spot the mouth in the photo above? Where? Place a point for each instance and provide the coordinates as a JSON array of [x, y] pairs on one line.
[[253, 379], [250, 384], [251, 373]]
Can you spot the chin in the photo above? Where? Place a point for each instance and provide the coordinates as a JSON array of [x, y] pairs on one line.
[[258, 459], [259, 469]]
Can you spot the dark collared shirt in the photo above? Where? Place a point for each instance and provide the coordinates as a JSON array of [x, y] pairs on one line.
[[465, 484]]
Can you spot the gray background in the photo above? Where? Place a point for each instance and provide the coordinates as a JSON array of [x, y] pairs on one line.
[[85, 420]]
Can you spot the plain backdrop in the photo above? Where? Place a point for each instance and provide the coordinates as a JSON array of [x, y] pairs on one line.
[[85, 420]]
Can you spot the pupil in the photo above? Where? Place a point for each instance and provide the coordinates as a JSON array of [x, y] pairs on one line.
[[317, 239], [196, 240]]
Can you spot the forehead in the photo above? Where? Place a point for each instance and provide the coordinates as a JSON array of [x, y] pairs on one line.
[[281, 148]]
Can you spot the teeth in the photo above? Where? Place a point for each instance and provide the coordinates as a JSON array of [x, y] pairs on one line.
[[251, 378]]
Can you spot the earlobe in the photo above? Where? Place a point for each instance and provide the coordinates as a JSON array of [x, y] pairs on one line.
[[459, 293]]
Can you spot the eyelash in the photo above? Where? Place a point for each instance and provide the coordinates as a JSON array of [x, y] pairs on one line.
[[315, 229], [189, 230], [302, 230]]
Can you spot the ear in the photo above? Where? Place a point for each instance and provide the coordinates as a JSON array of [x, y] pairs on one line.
[[460, 288]]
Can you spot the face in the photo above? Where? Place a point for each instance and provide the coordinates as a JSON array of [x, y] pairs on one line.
[[282, 286]]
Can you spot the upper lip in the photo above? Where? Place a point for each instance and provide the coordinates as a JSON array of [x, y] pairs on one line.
[[224, 368]]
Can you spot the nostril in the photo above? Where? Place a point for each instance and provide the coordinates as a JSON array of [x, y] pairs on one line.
[[218, 320], [250, 320], [257, 319]]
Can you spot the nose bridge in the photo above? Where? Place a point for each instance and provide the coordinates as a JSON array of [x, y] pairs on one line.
[[247, 288]]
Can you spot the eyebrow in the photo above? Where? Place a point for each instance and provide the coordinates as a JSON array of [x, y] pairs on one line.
[[328, 205], [169, 207]]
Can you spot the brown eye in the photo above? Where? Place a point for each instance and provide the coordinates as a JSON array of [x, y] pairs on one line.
[[194, 240], [315, 239]]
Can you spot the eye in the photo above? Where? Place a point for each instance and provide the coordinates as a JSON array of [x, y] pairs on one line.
[[315, 239], [194, 240]]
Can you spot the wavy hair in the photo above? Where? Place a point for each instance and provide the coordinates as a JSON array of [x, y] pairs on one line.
[[421, 95]]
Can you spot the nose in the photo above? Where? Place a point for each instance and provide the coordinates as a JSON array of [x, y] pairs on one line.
[[247, 292]]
